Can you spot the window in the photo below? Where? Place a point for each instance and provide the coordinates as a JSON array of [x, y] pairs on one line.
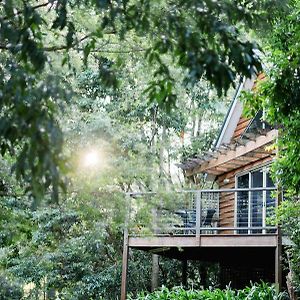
[[253, 208]]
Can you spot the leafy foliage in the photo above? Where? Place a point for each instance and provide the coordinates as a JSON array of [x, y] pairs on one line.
[[257, 291], [200, 38], [288, 217], [9, 290], [104, 75], [278, 95]]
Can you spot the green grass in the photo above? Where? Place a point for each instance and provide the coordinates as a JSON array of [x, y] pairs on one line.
[[261, 291]]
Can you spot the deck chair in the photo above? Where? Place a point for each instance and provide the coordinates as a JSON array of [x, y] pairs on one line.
[[209, 218]]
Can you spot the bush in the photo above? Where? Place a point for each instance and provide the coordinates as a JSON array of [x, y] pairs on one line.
[[255, 292], [9, 290]]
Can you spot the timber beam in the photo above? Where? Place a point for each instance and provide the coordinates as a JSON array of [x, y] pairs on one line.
[[242, 154]]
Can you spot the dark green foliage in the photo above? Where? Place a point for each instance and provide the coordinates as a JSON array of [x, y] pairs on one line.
[[203, 142], [279, 96], [288, 217], [15, 221], [29, 130], [257, 291], [202, 38], [10, 290]]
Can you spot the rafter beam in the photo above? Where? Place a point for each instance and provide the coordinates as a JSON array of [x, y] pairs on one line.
[[237, 155]]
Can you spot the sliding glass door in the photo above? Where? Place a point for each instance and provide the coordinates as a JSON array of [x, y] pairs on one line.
[[254, 207]]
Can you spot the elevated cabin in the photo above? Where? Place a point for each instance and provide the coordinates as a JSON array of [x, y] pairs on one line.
[[229, 224]]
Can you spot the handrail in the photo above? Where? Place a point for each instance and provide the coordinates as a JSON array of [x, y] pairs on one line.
[[222, 228], [257, 189], [197, 208]]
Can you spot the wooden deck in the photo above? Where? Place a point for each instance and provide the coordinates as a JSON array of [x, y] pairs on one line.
[[184, 231], [213, 240]]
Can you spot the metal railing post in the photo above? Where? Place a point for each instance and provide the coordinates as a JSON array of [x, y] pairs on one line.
[[198, 213]]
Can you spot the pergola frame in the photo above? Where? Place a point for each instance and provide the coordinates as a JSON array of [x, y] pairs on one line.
[[241, 155]]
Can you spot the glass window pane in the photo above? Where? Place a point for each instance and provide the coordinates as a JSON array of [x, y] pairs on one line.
[[257, 179], [270, 182]]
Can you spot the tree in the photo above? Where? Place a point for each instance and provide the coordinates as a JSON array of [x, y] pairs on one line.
[[200, 37]]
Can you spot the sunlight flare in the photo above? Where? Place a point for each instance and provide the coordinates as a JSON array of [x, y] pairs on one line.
[[91, 159]]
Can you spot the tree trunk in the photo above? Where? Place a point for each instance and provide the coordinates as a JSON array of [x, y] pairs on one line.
[[289, 284], [162, 154], [199, 130]]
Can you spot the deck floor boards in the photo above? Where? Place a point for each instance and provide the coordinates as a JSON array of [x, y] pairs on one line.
[[207, 240]]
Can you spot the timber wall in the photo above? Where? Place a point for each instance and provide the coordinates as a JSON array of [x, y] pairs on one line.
[[240, 128]]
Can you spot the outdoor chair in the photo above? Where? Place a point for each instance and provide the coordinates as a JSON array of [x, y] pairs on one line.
[[209, 220], [188, 218]]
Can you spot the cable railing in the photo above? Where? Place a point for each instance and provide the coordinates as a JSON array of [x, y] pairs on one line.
[[203, 212]]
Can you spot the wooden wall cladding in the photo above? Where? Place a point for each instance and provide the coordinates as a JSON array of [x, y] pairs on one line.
[[240, 128], [227, 200]]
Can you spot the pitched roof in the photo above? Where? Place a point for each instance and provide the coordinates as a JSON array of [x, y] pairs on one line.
[[230, 151]]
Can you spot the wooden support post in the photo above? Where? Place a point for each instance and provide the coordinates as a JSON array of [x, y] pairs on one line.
[[278, 266], [125, 249], [184, 273], [155, 272], [155, 258], [278, 254], [124, 266]]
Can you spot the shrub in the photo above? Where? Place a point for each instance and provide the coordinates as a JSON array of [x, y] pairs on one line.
[[9, 290], [255, 292]]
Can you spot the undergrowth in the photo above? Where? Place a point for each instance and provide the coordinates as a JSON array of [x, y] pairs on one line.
[[260, 291]]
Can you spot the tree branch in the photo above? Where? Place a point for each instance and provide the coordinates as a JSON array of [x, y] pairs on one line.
[[19, 12], [65, 47]]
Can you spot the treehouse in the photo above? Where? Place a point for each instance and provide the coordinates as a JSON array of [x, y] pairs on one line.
[[228, 224]]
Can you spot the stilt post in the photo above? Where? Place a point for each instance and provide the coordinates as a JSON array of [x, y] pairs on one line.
[[155, 257], [184, 273], [278, 251], [155, 272], [278, 267], [125, 249]]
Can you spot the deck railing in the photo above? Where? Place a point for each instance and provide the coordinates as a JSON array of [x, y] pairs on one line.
[[197, 212]]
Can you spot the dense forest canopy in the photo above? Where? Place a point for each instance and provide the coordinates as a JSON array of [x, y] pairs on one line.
[[203, 39], [143, 84]]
